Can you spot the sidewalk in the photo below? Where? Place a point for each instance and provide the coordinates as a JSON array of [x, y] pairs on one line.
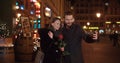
[[101, 52]]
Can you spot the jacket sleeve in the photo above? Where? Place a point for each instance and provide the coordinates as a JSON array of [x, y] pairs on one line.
[[87, 37]]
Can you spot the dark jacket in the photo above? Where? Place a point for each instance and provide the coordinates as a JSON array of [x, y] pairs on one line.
[[48, 46], [73, 37]]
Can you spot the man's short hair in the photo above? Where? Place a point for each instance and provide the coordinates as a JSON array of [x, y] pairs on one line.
[[68, 13]]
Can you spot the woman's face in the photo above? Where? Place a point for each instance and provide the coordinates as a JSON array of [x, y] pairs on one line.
[[56, 25]]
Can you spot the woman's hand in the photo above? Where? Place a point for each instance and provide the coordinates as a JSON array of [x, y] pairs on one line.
[[50, 34]]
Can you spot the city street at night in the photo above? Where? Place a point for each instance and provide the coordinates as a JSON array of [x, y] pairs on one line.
[[55, 31]]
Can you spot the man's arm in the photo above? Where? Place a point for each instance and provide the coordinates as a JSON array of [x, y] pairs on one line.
[[90, 38]]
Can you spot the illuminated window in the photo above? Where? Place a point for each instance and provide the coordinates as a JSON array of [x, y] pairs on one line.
[[39, 25], [48, 12], [38, 21], [35, 25], [16, 3], [35, 21]]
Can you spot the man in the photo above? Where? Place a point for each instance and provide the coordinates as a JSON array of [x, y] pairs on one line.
[[73, 35], [115, 37]]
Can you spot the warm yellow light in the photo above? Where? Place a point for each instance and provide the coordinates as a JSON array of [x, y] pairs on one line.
[[47, 14], [88, 23], [18, 14], [118, 22], [93, 27], [58, 17], [37, 4], [107, 22], [39, 16], [84, 27], [98, 15], [17, 7], [35, 31], [17, 19]]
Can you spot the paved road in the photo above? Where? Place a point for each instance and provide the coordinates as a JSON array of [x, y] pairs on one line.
[[101, 52]]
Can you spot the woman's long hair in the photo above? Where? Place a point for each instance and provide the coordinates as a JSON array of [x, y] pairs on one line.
[[52, 21]]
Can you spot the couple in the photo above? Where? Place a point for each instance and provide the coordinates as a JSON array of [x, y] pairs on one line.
[[73, 35]]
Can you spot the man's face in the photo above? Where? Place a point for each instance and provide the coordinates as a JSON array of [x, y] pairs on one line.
[[69, 19]]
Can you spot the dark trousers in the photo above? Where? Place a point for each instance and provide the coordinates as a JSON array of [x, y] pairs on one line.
[[115, 43]]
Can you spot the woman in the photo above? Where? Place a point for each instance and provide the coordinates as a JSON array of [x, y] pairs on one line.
[[49, 44]]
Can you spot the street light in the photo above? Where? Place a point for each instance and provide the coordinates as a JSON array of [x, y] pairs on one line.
[[98, 16], [18, 15], [88, 23]]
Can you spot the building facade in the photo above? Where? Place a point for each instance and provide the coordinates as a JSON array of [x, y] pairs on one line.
[[40, 10], [86, 11], [67, 5], [50, 9]]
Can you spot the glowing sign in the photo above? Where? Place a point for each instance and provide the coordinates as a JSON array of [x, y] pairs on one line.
[[93, 27], [108, 22], [118, 22]]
